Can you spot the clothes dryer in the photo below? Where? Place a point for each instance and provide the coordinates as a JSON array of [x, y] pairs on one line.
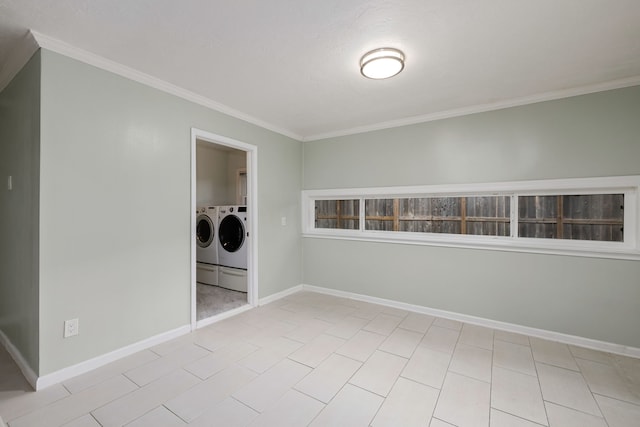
[[232, 236]]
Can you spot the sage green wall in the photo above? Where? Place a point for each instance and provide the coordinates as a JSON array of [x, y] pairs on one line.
[[212, 182], [19, 158], [585, 136], [236, 159], [115, 209]]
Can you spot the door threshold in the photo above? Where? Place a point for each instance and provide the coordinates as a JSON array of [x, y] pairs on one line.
[[221, 316]]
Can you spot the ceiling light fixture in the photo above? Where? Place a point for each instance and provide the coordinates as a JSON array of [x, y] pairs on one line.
[[382, 63]]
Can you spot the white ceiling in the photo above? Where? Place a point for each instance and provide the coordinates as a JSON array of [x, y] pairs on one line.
[[293, 64]]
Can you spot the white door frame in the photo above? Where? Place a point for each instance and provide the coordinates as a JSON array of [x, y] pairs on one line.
[[252, 210]]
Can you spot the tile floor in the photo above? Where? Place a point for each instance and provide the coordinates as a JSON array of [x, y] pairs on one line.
[[317, 360]]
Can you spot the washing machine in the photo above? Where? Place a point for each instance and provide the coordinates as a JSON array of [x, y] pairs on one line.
[[207, 245], [232, 236]]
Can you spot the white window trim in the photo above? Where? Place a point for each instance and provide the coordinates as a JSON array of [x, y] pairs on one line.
[[628, 185]]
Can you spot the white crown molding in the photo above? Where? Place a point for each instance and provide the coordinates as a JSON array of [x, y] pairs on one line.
[[18, 57], [81, 55], [488, 323], [33, 40], [481, 108]]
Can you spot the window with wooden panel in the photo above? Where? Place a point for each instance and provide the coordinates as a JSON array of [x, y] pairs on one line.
[[585, 217], [337, 214], [472, 215], [575, 217]]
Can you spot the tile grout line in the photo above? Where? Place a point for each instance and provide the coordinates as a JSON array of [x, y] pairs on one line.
[[593, 393], [535, 367], [558, 367], [231, 396], [90, 412], [522, 373], [612, 398], [506, 368], [384, 398], [163, 405], [576, 410], [520, 417], [334, 396], [136, 418], [444, 380], [493, 355]]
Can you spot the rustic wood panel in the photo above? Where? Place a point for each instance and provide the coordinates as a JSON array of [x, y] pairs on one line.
[[337, 214], [487, 215], [578, 217], [379, 214], [583, 217]]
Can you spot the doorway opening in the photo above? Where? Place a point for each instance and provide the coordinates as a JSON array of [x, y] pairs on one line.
[[223, 227]]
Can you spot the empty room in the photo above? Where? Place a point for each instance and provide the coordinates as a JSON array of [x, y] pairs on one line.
[[320, 213]]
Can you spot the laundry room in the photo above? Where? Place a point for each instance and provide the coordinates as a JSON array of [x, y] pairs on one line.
[[221, 229]]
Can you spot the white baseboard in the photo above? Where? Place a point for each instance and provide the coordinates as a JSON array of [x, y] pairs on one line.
[[88, 365], [17, 357], [38, 383], [279, 295], [480, 321]]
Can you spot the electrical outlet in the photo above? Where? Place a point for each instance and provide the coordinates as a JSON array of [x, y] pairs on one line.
[[283, 220], [71, 327]]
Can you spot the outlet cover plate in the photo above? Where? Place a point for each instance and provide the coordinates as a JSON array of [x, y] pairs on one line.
[[71, 328]]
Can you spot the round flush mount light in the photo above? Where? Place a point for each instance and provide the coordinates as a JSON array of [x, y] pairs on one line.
[[382, 63]]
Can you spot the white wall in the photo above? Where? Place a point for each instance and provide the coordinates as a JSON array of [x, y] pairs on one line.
[[586, 136], [116, 210]]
